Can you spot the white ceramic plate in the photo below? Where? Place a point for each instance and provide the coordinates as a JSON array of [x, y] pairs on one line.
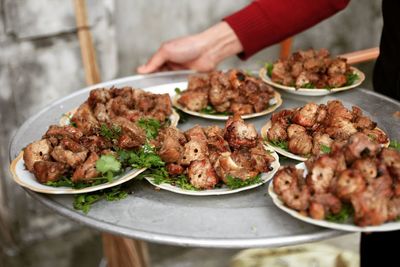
[[281, 151], [348, 226], [265, 177], [276, 102], [312, 92], [26, 179]]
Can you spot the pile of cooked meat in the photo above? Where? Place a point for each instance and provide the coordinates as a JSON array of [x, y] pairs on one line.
[[73, 150], [311, 69], [359, 172], [232, 92], [308, 129], [207, 156]]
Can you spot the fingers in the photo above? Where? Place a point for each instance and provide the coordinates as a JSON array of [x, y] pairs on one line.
[[154, 64]]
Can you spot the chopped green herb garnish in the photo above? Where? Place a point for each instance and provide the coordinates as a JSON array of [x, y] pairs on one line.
[[351, 78], [395, 144], [269, 67], [84, 202], [109, 166], [308, 86], [151, 127], [325, 149], [211, 111], [345, 213], [73, 124], [67, 182], [280, 144], [183, 182], [234, 183], [110, 134], [178, 91]]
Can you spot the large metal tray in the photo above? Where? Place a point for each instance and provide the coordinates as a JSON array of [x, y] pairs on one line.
[[246, 219]]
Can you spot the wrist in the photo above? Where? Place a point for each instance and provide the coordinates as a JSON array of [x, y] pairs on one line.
[[220, 42]]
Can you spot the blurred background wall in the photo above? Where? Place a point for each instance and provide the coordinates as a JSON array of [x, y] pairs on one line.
[[40, 62]]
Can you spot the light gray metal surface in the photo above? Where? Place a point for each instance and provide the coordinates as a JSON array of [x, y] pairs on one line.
[[246, 219]]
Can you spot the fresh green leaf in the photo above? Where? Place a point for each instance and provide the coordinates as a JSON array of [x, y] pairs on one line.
[[145, 157], [325, 149], [351, 78], [183, 182], [63, 181], [150, 126], [115, 193], [178, 91], [234, 183], [269, 67], [110, 134], [67, 182], [395, 144], [280, 144], [108, 164], [73, 124], [345, 213]]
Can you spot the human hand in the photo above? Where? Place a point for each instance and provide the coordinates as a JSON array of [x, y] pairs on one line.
[[200, 52]]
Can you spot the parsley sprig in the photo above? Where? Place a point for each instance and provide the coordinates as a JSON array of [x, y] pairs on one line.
[[345, 213], [234, 183]]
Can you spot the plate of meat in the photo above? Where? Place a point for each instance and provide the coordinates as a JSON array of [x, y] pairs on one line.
[[312, 73], [353, 188], [217, 95], [311, 130], [82, 154], [213, 161]]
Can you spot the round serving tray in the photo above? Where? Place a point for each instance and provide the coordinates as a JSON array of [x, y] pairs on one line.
[[245, 219]]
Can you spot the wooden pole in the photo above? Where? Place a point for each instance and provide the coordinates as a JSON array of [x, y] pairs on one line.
[[119, 251], [361, 55]]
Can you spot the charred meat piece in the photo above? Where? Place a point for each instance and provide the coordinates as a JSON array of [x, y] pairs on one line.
[[300, 144], [171, 150], [225, 166], [61, 132], [132, 135], [69, 155], [196, 133], [295, 130], [350, 182], [194, 100], [286, 178], [174, 169], [202, 175], [95, 143], [306, 115], [46, 171], [198, 81], [277, 132], [297, 198], [87, 171], [321, 174], [260, 159], [36, 151], [194, 150], [85, 120], [376, 135], [101, 95], [239, 134], [359, 145]]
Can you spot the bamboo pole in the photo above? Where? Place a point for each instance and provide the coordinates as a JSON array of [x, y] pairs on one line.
[[361, 55], [119, 251]]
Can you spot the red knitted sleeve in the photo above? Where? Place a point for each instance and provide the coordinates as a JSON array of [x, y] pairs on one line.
[[266, 22]]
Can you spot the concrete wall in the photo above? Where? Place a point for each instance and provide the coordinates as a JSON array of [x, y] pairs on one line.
[[40, 61]]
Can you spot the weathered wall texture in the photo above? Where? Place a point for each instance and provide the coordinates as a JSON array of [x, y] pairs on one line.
[[40, 61]]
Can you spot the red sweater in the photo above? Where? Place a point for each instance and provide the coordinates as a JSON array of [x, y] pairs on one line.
[[266, 22]]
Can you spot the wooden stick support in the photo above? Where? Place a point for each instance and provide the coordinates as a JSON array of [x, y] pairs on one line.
[[86, 43], [119, 251], [286, 48], [361, 55]]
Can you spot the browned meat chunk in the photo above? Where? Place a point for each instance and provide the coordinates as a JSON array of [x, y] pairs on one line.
[[239, 134], [323, 204], [321, 141], [46, 171], [87, 171], [194, 150], [36, 151], [349, 183], [174, 169], [85, 120], [95, 143], [60, 132], [295, 130], [64, 155], [306, 115], [225, 166], [301, 144], [196, 133], [321, 174], [202, 175], [194, 100], [198, 81], [360, 145], [277, 132], [132, 135], [366, 167]]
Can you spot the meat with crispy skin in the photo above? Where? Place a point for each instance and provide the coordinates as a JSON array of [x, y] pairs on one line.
[[87, 171], [194, 100], [36, 151], [202, 175], [46, 171], [306, 115], [320, 175], [240, 134]]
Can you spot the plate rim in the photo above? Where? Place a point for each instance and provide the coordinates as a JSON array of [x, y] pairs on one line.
[[213, 192], [388, 226], [277, 96], [310, 91]]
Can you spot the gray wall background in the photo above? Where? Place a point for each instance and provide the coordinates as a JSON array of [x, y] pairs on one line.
[[40, 62]]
